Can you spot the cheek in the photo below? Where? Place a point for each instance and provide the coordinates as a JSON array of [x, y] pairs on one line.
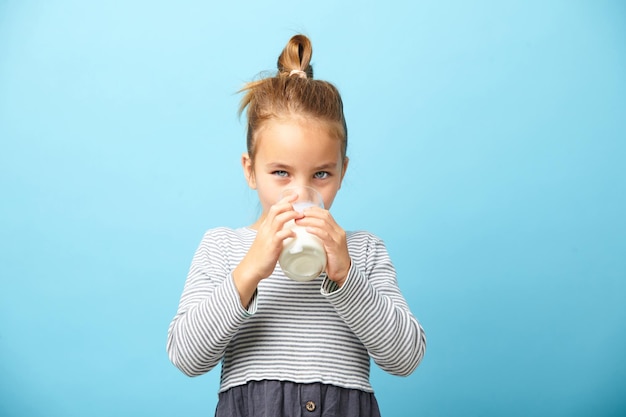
[[267, 197], [328, 198]]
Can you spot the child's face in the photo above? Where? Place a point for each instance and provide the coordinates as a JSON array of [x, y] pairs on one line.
[[295, 151]]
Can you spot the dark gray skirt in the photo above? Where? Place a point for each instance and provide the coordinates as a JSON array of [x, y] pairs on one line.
[[288, 399]]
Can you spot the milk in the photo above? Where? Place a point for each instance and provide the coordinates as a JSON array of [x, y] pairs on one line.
[[299, 206], [303, 258]]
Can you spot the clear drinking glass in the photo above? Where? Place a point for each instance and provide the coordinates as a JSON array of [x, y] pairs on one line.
[[303, 258]]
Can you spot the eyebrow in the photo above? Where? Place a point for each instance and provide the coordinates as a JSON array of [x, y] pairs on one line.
[[279, 165], [329, 165]]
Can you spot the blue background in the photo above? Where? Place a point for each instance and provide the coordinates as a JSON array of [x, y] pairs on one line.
[[487, 145]]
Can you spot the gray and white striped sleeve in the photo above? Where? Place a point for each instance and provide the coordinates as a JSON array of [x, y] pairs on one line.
[[371, 304], [209, 312]]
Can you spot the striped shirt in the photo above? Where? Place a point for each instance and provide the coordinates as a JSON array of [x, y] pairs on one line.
[[302, 332]]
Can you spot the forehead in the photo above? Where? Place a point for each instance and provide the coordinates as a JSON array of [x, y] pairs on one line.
[[298, 141]]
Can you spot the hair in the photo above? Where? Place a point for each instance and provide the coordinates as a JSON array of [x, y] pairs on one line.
[[293, 92]]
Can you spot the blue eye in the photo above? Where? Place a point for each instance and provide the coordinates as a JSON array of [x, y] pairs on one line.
[[321, 175], [280, 173]]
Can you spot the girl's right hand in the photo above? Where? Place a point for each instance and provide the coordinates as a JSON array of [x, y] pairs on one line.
[[260, 261]]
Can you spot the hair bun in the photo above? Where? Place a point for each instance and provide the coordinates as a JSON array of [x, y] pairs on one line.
[[287, 95], [295, 59]]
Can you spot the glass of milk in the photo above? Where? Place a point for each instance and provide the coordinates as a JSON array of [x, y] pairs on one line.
[[303, 257]]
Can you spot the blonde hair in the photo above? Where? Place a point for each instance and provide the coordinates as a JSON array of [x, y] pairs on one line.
[[293, 92]]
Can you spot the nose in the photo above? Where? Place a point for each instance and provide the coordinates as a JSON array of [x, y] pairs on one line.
[[303, 183], [306, 193]]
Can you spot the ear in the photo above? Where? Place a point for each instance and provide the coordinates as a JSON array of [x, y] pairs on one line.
[[344, 168], [248, 170]]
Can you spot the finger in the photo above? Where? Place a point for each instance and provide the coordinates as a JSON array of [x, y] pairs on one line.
[[280, 208], [321, 214], [289, 198], [283, 218], [316, 222], [316, 211], [284, 234]]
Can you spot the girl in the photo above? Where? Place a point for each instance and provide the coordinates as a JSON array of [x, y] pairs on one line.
[[293, 348]]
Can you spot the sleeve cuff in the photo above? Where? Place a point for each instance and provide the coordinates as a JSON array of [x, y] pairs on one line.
[[234, 295], [330, 288]]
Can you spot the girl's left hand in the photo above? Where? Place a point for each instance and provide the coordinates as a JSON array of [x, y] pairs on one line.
[[320, 223]]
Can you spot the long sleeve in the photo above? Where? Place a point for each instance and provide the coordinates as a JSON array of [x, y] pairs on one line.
[[209, 312], [303, 332], [372, 306]]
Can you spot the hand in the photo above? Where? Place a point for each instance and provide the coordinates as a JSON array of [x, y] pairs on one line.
[[260, 261], [320, 223]]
